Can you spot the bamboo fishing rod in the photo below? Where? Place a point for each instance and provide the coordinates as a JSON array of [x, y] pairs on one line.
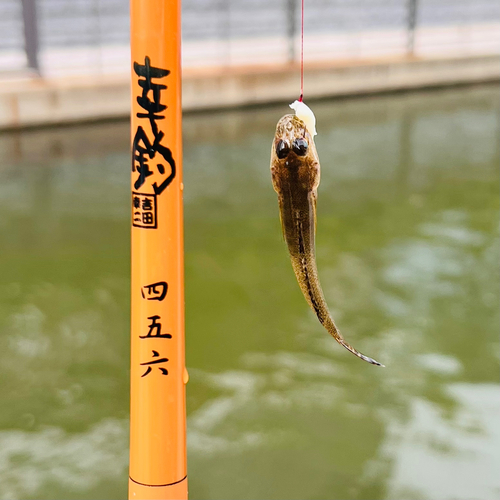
[[158, 467]]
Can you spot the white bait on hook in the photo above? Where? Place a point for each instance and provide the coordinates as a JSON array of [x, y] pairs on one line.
[[304, 112]]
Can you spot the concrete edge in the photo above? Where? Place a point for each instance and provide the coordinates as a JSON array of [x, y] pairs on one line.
[[38, 102]]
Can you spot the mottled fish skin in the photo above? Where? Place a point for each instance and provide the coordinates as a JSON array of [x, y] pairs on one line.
[[295, 173]]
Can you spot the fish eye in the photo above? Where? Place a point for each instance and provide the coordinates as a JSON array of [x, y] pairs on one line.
[[282, 149], [300, 147]]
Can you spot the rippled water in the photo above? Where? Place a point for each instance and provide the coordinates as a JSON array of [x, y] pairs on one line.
[[408, 256]]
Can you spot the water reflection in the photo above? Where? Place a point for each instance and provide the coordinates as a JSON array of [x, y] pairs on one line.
[[407, 253]]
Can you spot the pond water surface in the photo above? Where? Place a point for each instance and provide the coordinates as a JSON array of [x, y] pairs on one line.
[[407, 250]]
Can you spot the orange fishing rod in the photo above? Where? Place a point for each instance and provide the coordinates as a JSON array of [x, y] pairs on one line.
[[158, 416]]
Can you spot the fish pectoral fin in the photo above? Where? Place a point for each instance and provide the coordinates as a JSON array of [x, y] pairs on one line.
[[314, 202], [312, 199], [281, 218], [282, 227]]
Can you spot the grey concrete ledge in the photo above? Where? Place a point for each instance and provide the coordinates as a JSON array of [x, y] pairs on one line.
[[28, 102]]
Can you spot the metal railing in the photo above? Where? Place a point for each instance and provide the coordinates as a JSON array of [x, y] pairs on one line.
[[64, 36]]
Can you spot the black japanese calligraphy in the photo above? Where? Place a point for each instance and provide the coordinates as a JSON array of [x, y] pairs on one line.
[[144, 210], [156, 361], [155, 291], [155, 326], [143, 149]]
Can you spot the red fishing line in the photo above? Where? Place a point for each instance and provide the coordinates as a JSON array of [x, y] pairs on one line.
[[301, 51]]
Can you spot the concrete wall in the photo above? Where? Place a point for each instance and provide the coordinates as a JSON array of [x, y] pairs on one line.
[[33, 102]]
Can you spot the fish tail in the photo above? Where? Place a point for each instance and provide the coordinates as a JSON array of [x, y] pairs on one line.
[[359, 354], [333, 331], [306, 273]]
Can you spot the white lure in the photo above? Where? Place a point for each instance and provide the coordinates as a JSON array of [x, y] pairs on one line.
[[305, 113]]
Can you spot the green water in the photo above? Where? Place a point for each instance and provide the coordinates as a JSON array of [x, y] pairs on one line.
[[407, 251]]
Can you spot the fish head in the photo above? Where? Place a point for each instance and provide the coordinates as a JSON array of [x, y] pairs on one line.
[[293, 153], [292, 139]]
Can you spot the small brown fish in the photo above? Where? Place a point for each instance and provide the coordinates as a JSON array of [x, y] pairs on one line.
[[295, 172]]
